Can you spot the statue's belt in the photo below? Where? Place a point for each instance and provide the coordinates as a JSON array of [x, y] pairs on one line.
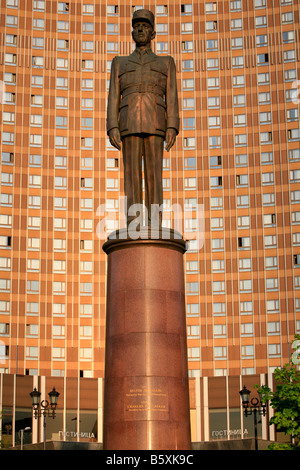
[[143, 88]]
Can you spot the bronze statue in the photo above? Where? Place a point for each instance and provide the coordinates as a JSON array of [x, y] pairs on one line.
[[142, 113]]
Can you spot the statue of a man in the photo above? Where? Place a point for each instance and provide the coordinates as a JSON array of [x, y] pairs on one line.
[[142, 113]]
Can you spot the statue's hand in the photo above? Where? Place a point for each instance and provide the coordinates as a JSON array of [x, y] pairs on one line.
[[170, 138], [115, 138]]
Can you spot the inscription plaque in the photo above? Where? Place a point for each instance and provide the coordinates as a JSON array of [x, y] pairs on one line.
[[145, 399]]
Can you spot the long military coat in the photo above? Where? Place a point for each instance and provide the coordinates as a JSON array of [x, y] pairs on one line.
[[143, 95]]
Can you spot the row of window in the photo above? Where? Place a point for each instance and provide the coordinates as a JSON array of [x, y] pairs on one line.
[[189, 123], [88, 65], [192, 266], [58, 354], [58, 309], [246, 330], [59, 287], [185, 8], [87, 143], [34, 243], [193, 309], [86, 288], [245, 286], [58, 331], [161, 28], [161, 47], [89, 9], [247, 352], [241, 160], [188, 84]]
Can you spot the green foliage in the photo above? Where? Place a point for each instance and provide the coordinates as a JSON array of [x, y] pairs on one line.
[[282, 446], [285, 401]]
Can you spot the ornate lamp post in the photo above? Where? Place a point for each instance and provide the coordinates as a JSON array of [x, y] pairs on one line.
[[45, 408], [255, 407]]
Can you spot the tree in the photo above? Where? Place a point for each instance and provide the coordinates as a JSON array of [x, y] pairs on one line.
[[285, 400]]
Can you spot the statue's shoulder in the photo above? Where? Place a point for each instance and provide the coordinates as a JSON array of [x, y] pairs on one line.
[[165, 59]]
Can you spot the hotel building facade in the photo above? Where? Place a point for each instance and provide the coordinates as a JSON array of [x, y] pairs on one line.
[[237, 158]]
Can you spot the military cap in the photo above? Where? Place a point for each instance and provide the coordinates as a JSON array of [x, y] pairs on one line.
[[145, 15]]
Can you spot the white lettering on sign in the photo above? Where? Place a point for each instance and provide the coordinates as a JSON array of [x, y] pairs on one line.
[[89, 435], [226, 432]]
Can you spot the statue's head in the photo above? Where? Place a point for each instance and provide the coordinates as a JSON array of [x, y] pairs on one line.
[[143, 27]]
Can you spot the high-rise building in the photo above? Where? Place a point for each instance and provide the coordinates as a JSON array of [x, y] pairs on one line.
[[237, 156]]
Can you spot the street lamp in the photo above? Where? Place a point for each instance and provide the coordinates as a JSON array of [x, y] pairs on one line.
[[255, 407], [45, 408], [21, 434]]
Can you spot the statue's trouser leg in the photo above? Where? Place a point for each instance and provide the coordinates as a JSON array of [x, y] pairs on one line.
[[134, 148]]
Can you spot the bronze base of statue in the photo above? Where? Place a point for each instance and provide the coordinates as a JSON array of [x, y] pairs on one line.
[[146, 395]]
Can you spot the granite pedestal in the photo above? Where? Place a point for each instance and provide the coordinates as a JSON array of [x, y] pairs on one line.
[[146, 396]]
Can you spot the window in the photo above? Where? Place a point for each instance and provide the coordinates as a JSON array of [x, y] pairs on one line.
[[245, 264], [212, 44], [238, 81], [31, 352], [58, 354], [187, 65], [63, 7], [287, 17], [274, 350], [237, 43], [260, 21], [162, 28], [186, 27], [162, 10], [186, 9], [289, 56], [38, 23], [244, 242], [272, 284], [247, 329], [293, 134], [11, 21], [211, 26], [247, 352], [262, 59], [263, 78], [240, 120], [292, 114], [264, 98], [241, 140], [262, 40], [61, 102], [239, 100], [218, 287], [236, 23], [242, 180], [188, 103], [220, 331], [246, 308], [10, 59], [215, 181], [216, 223], [271, 262], [32, 330], [220, 352], [288, 36], [265, 137], [63, 26], [192, 287], [88, 9], [267, 178]]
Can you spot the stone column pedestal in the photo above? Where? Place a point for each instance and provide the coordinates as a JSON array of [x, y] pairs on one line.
[[146, 396]]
